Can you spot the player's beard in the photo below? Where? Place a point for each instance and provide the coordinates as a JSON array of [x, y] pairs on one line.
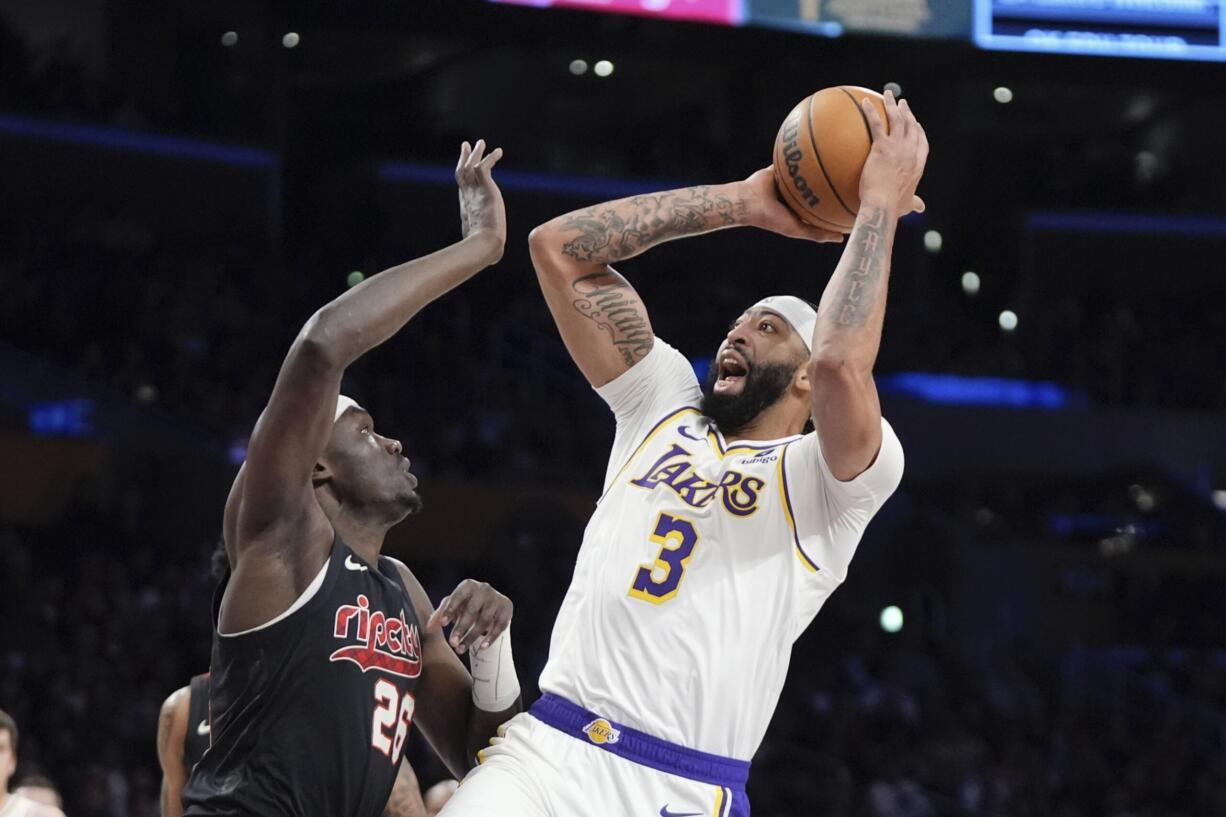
[[765, 383]]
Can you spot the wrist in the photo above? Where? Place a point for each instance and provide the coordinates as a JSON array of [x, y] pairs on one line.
[[873, 202], [495, 682], [486, 244], [748, 209]]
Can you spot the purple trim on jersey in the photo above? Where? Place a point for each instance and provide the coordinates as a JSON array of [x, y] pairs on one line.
[[639, 747], [639, 447], [787, 498]]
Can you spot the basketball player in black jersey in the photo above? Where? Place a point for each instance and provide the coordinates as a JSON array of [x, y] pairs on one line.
[[183, 737], [324, 647]]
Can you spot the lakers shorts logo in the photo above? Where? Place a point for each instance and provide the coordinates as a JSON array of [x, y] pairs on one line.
[[601, 731]]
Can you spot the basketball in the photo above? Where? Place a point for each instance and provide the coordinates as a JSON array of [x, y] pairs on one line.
[[819, 153]]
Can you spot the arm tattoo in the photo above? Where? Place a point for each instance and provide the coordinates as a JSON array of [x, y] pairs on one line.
[[608, 300], [611, 232], [862, 286]]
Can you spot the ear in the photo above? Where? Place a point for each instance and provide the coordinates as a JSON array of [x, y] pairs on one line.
[[320, 474], [800, 381]]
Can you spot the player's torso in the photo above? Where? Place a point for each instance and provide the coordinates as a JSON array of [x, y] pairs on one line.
[[678, 620], [310, 713]]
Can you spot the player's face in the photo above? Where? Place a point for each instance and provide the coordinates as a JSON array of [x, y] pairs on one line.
[[753, 369], [369, 469], [8, 759], [756, 338]]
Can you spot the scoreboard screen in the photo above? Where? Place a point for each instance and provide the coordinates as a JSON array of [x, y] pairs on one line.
[[1165, 29], [728, 12]]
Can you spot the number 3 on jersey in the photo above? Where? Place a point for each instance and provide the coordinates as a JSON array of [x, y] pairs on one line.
[[677, 539], [391, 712]]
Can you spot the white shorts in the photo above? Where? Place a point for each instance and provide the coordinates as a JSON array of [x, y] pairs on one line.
[[560, 761]]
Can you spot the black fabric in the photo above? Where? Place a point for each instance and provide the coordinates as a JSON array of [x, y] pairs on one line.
[[197, 738], [295, 730]]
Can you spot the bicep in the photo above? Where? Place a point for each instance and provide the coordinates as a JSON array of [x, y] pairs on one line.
[[172, 732], [600, 316], [288, 439], [847, 416]]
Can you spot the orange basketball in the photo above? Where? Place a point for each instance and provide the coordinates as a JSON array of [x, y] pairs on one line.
[[819, 153]]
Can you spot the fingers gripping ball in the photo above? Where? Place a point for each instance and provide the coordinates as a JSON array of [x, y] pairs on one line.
[[819, 153]]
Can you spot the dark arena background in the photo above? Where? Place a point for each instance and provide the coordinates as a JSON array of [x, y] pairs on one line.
[[1034, 625]]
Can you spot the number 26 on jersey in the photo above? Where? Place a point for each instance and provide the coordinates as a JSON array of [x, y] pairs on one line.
[[659, 581]]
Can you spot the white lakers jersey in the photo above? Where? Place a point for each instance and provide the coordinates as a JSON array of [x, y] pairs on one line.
[[702, 565]]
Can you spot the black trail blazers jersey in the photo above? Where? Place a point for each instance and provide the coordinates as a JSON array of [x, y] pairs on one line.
[[311, 711], [197, 739]]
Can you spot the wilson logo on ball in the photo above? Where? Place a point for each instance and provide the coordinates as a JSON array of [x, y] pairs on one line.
[[792, 155]]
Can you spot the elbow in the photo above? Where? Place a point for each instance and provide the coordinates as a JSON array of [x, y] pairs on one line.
[[320, 343], [826, 367]]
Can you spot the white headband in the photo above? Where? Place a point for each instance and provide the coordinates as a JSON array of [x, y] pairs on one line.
[[343, 404], [799, 314]]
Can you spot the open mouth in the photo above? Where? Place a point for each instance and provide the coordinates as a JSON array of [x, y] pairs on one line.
[[732, 370]]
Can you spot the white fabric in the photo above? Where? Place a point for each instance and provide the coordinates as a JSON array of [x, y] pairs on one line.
[[705, 667], [533, 770], [18, 806], [495, 682], [343, 404], [795, 311]]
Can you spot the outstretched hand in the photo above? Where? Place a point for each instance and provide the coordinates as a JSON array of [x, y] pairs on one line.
[[767, 211], [480, 614], [896, 161], [481, 208]]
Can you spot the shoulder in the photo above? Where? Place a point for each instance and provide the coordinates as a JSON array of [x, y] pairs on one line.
[[417, 593], [176, 702]]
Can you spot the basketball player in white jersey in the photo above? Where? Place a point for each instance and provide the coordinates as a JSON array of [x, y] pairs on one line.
[[723, 527], [15, 805]]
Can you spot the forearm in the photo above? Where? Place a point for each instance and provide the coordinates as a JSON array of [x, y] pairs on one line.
[[852, 309], [483, 726], [616, 230], [373, 311]]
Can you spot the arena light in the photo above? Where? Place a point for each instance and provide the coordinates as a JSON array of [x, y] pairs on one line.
[[230, 38], [891, 619], [1219, 499], [970, 283], [578, 67], [291, 39], [1008, 320], [354, 278], [603, 68], [1003, 95], [933, 241]]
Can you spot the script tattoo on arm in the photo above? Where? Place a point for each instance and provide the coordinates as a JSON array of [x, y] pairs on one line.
[[606, 299], [612, 232], [863, 288]]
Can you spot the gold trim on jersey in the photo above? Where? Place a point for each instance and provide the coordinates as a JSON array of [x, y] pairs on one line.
[[785, 496]]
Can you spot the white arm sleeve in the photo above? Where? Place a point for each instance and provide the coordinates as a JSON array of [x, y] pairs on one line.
[[831, 515], [646, 393]]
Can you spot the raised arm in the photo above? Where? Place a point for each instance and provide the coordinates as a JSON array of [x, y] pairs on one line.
[[600, 316], [172, 734], [274, 488], [847, 337]]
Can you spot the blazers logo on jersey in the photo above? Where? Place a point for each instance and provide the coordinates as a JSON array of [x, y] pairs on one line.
[[387, 644], [674, 470], [601, 731]]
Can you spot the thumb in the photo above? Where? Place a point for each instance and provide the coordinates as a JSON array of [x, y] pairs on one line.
[[917, 205], [438, 619]]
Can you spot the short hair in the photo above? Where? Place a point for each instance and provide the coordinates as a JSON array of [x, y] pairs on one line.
[[7, 724]]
